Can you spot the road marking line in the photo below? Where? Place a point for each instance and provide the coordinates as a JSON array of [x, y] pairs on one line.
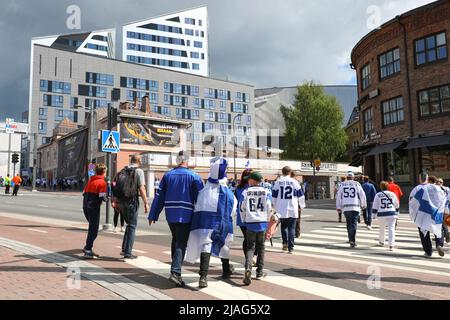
[[301, 285], [218, 289], [35, 230], [370, 263], [344, 238], [43, 206], [400, 230], [398, 238], [363, 254], [135, 250]]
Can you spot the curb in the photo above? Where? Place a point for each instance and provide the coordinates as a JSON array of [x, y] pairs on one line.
[[120, 285]]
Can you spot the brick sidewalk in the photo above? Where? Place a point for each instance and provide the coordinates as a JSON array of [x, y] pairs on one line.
[[27, 278]]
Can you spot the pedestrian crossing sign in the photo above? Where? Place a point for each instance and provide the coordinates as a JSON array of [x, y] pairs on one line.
[[110, 141]]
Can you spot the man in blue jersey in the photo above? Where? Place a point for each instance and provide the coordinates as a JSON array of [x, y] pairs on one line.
[[177, 193]]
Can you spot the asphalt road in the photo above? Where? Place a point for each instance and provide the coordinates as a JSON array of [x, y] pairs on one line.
[[69, 207]]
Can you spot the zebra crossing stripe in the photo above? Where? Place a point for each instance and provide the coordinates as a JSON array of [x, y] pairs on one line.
[[365, 262], [360, 240], [365, 254], [218, 289], [400, 230], [364, 236], [300, 285]]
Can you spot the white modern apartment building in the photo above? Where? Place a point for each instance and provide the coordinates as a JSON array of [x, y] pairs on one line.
[[101, 43], [177, 41]]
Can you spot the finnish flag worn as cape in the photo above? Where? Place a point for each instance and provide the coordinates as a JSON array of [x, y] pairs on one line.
[[212, 222], [426, 208]]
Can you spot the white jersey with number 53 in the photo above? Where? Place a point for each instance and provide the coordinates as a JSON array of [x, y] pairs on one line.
[[351, 197], [287, 197]]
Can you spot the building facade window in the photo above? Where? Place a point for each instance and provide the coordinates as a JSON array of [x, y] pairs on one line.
[[368, 121], [389, 63], [434, 101], [365, 77], [195, 114], [100, 78], [393, 111], [431, 49], [42, 127], [189, 21]]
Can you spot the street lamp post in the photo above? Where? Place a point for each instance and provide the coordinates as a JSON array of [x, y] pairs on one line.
[[234, 145]]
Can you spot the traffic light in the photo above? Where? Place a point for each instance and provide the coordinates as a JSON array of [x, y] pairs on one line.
[[112, 117], [15, 158]]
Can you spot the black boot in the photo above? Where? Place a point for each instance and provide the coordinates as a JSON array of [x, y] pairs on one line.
[[227, 269], [204, 266]]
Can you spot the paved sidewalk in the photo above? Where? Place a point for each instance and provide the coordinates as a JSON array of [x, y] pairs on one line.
[[23, 277]]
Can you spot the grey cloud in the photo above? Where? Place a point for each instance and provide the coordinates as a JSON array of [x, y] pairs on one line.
[[262, 42]]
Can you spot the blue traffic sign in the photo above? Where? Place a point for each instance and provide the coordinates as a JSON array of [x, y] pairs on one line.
[[110, 141]]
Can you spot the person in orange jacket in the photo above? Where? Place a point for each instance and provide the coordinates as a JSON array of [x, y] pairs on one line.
[[17, 181]]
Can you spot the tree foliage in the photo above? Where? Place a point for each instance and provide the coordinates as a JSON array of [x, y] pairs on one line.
[[314, 126]]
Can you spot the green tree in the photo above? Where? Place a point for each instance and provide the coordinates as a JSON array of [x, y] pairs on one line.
[[314, 126]]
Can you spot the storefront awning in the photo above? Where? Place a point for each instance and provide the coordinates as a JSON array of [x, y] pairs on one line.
[[429, 142], [385, 148]]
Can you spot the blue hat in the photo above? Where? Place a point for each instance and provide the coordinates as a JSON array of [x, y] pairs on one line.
[[218, 169]]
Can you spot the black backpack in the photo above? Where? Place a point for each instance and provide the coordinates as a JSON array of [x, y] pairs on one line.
[[124, 185]]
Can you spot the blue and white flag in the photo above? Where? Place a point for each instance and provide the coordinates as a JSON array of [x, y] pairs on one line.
[[426, 208], [212, 220], [247, 165]]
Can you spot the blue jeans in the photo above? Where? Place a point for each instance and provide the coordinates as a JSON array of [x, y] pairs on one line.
[[130, 215], [93, 217], [367, 214], [288, 232], [180, 235], [352, 224]]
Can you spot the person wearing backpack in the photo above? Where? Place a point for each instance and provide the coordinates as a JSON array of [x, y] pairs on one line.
[[385, 207], [177, 193], [93, 196], [127, 186]]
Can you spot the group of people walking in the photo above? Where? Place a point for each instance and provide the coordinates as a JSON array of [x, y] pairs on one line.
[[15, 182], [201, 215], [428, 205]]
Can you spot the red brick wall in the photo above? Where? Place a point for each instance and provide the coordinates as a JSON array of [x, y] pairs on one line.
[[421, 23]]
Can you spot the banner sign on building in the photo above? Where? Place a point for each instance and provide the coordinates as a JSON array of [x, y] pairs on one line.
[[149, 133], [72, 156], [327, 167]]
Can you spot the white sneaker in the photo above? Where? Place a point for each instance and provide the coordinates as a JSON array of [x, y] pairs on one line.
[[122, 229], [369, 227], [116, 230]]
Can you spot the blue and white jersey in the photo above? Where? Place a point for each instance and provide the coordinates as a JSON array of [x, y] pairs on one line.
[[212, 221], [426, 208], [385, 204], [256, 208], [177, 193], [287, 197], [351, 197]]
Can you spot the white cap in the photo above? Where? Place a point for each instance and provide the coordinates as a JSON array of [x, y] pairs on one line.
[[350, 174], [182, 157]]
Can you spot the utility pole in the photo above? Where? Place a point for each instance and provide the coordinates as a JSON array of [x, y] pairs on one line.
[[9, 153], [108, 225], [34, 161]]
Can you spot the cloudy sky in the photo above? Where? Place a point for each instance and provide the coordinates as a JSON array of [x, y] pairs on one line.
[[266, 43]]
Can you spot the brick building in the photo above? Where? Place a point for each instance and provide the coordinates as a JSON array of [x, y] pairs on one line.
[[404, 95]]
